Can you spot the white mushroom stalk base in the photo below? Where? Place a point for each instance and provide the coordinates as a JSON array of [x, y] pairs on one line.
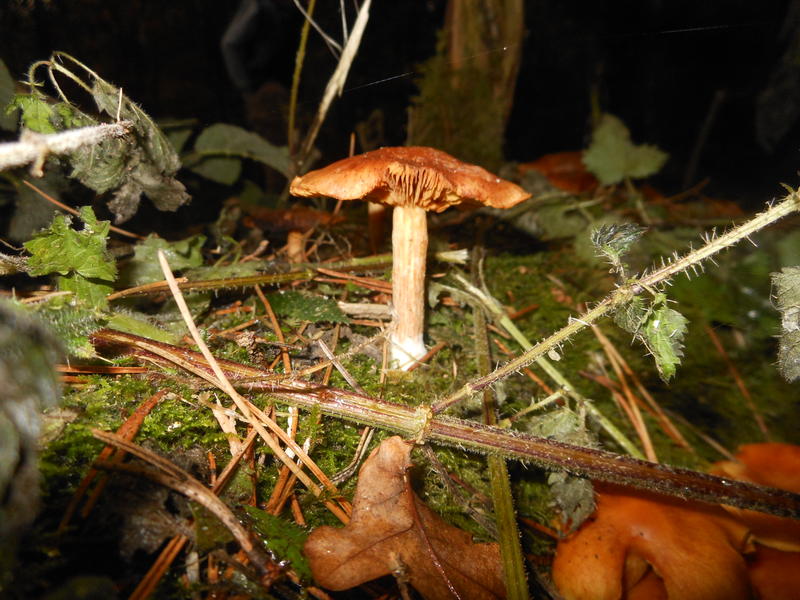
[[409, 251]]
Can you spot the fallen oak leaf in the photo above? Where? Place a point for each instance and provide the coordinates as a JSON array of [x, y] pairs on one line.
[[392, 528]]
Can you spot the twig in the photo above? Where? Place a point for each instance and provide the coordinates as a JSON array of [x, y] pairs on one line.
[[71, 210], [128, 431], [248, 409], [148, 583], [495, 309], [655, 407], [298, 69], [174, 477]]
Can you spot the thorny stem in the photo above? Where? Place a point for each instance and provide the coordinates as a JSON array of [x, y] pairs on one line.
[[623, 294], [419, 423], [493, 306]]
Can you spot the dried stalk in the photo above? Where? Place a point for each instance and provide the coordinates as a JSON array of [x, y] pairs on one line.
[[34, 148]]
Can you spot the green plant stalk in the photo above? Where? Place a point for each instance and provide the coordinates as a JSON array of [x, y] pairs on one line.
[[494, 308], [508, 536], [625, 293], [419, 423], [298, 69]]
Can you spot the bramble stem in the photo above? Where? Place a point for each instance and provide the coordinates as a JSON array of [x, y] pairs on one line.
[[623, 294]]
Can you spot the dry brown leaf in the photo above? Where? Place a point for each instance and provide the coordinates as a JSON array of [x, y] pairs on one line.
[[393, 530]]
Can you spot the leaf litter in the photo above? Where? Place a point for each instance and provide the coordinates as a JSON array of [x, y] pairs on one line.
[[393, 531]]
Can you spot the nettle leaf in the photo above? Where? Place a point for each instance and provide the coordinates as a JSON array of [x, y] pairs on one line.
[[61, 249], [157, 147], [73, 322], [36, 112], [222, 139], [282, 538], [663, 335], [144, 266], [79, 256], [92, 291], [149, 165], [631, 316], [613, 241], [612, 156], [660, 328], [305, 307], [787, 300]]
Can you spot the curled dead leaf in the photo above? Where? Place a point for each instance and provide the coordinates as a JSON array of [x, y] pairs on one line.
[[392, 529]]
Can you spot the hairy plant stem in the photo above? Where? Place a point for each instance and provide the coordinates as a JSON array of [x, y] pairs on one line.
[[500, 316], [622, 295], [420, 424]]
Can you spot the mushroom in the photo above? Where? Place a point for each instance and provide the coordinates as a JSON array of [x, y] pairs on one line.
[[772, 464], [774, 565], [646, 546], [413, 180]]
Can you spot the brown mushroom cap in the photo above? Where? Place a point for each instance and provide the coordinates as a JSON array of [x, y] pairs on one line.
[[409, 175]]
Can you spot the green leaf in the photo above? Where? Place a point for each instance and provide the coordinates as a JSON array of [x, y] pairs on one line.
[[8, 114], [220, 169], [61, 249], [303, 307], [787, 299], [144, 267], [178, 137], [101, 167], [139, 324], [613, 241], [631, 316], [80, 257], [282, 538], [36, 112], [660, 328], [230, 140], [73, 322], [663, 335], [157, 147], [612, 156], [149, 165], [92, 291]]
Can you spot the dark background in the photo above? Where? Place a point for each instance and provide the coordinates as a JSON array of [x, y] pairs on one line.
[[656, 64]]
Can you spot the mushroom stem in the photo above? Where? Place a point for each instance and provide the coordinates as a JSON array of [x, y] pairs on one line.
[[409, 250]]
